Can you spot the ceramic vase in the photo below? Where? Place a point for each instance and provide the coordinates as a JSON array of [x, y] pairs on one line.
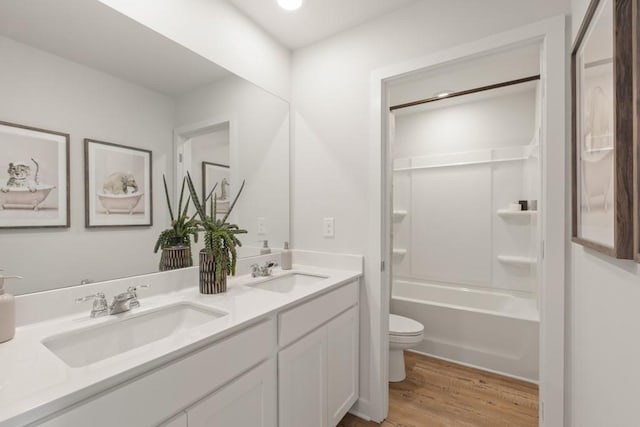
[[212, 281], [174, 257]]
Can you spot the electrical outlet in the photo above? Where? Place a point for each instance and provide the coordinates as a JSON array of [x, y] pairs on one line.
[[262, 226], [328, 227]]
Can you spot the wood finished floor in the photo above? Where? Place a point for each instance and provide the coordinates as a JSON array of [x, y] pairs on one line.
[[438, 393]]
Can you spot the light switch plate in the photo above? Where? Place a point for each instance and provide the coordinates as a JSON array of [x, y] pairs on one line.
[[328, 227], [262, 226]]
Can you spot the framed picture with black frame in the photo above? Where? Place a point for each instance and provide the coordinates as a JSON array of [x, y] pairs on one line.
[[34, 177], [602, 129], [118, 190]]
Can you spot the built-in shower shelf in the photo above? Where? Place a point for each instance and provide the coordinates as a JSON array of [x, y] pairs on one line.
[[399, 214], [487, 156], [517, 260], [519, 214], [399, 252]]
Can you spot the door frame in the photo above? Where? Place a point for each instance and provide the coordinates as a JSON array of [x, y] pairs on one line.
[[183, 134], [551, 34]]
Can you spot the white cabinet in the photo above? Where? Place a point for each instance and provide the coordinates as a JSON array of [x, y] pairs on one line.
[[296, 368], [304, 318], [249, 401], [318, 374], [302, 382], [342, 364], [152, 398]]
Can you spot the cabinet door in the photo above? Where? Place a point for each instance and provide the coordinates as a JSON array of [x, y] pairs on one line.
[[177, 421], [249, 401], [342, 364], [302, 381]]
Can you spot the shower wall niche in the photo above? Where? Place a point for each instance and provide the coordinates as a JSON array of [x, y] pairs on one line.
[[459, 165]]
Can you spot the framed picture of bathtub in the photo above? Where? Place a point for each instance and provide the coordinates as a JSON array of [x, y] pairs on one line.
[[34, 177], [118, 191], [216, 174], [602, 130]]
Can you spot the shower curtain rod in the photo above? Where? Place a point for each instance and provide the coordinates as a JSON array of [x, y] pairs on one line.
[[465, 92]]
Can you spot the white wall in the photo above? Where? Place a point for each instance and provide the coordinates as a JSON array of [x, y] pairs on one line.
[[505, 119], [211, 147], [603, 378], [331, 95], [217, 31], [483, 70], [331, 83], [45, 91], [578, 10], [259, 151], [463, 200]]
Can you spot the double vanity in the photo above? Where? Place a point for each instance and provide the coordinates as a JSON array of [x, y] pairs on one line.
[[273, 351], [279, 350]]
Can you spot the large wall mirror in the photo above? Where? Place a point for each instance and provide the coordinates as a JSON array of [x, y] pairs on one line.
[[80, 68], [233, 131]]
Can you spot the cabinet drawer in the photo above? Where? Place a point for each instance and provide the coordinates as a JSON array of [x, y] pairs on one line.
[[156, 396], [299, 320]]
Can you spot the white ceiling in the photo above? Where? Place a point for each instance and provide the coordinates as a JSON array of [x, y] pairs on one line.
[[316, 19], [97, 36]]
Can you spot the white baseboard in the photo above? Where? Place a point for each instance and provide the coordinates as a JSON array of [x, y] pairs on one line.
[[480, 368], [361, 409]]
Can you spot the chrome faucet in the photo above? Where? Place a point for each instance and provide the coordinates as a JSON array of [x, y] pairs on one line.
[[134, 291], [262, 270], [121, 302], [126, 300], [100, 306]]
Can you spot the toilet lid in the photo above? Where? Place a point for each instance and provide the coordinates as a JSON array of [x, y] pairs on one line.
[[404, 326]]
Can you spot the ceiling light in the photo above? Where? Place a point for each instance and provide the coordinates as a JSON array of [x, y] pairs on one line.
[[290, 4]]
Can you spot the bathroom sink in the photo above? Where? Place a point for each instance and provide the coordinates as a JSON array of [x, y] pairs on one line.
[[288, 283], [90, 345]]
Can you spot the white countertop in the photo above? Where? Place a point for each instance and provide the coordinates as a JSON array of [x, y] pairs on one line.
[[35, 383]]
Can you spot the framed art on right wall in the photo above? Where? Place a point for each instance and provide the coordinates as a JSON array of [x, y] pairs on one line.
[[603, 129]]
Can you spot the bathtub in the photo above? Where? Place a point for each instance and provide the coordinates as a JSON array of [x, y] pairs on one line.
[[114, 203], [489, 330], [24, 197]]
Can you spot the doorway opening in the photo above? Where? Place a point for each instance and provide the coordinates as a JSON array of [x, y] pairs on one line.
[[466, 238], [546, 272]]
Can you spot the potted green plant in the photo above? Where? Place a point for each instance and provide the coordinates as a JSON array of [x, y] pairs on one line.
[[218, 258], [175, 242]]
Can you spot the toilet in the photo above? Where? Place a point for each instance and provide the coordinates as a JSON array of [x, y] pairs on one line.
[[404, 333]]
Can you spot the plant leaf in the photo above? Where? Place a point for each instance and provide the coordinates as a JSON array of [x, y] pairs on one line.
[[186, 207], [194, 198], [234, 202], [211, 193], [181, 194], [166, 193]]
